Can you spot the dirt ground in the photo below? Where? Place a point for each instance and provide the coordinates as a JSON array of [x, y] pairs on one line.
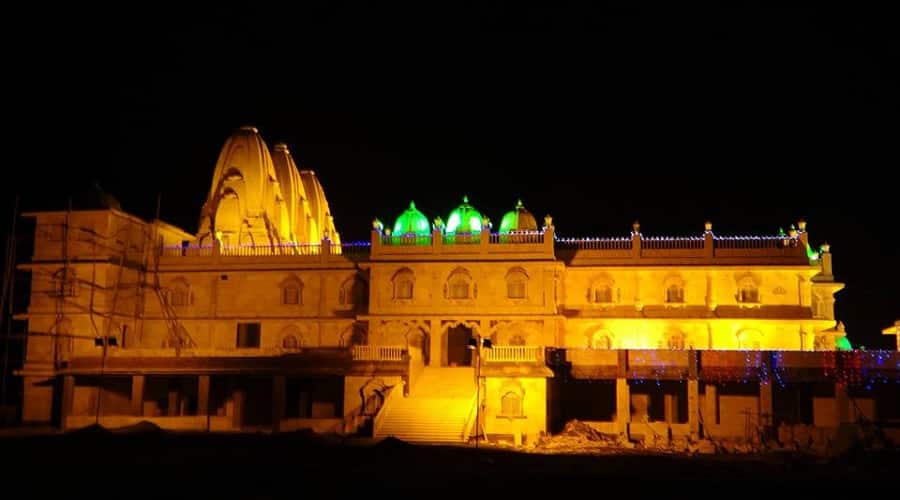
[[145, 460]]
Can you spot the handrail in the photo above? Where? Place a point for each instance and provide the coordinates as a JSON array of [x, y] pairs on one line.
[[382, 412], [467, 427]]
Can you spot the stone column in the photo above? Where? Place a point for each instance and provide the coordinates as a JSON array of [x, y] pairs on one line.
[[173, 401], [765, 392], [670, 406], [238, 417], [842, 401], [435, 343], [68, 395], [765, 404], [693, 394], [203, 395], [279, 393], [137, 395], [623, 406], [710, 409], [623, 394], [693, 404]]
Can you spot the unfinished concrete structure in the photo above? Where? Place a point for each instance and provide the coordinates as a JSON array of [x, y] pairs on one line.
[[432, 331]]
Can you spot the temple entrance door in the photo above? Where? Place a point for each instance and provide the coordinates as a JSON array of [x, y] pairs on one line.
[[458, 352]]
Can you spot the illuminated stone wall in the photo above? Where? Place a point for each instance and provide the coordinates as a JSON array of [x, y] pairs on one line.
[[523, 416]]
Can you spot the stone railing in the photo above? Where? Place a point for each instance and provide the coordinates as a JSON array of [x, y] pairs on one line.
[[518, 237], [266, 250], [491, 246], [461, 239], [513, 353], [187, 251], [323, 250], [378, 353], [671, 243], [596, 243], [744, 242], [708, 248], [407, 240]]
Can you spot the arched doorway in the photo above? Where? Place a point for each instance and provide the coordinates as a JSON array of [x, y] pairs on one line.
[[458, 352], [418, 344]]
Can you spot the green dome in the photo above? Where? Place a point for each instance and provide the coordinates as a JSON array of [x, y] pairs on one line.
[[518, 220], [412, 221], [843, 344], [465, 219]]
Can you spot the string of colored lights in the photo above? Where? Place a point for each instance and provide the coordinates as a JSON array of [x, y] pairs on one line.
[[861, 370]]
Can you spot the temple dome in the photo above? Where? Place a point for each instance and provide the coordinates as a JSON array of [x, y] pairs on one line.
[[241, 205], [464, 219], [261, 197], [321, 223], [518, 220], [294, 199], [412, 221]]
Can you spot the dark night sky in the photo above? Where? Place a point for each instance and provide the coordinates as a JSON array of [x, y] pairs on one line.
[[751, 117]]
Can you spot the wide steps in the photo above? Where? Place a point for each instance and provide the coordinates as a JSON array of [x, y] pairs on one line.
[[436, 411]]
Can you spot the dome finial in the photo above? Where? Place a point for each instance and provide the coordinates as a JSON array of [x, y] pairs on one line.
[[412, 205], [519, 205], [465, 199]]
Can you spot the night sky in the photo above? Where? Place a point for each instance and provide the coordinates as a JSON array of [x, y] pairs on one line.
[[752, 118]]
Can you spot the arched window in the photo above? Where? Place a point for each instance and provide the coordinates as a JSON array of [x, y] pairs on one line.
[[179, 339], [459, 285], [516, 283], [180, 293], [291, 295], [674, 294], [65, 283], [603, 294], [290, 342], [511, 404], [404, 280], [748, 291], [352, 292], [292, 291], [601, 340], [750, 295], [602, 290], [179, 297], [818, 306], [675, 341], [674, 287]]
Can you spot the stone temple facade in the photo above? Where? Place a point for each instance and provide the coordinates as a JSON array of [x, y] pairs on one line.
[[435, 330]]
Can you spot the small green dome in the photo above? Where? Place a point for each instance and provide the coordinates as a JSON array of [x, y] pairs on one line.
[[843, 344], [518, 220], [412, 221], [465, 219]]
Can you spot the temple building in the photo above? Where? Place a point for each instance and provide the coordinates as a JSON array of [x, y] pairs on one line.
[[438, 329]]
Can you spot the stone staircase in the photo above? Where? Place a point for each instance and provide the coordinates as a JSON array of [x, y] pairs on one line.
[[437, 410]]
